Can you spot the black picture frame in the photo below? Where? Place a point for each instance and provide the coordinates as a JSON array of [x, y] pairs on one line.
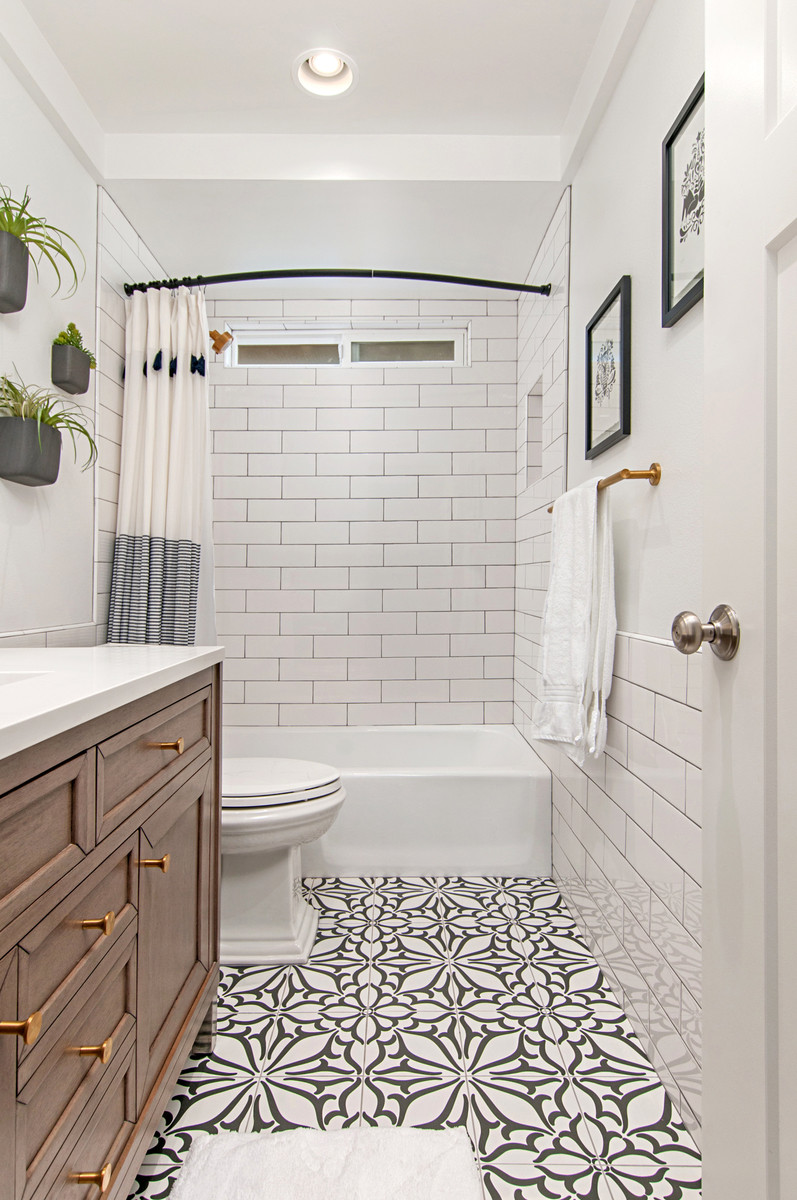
[[608, 375], [683, 155]]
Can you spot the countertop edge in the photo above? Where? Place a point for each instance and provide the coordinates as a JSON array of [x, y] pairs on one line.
[[40, 726]]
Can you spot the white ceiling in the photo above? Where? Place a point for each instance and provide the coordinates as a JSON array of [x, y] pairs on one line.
[[449, 156], [426, 66]]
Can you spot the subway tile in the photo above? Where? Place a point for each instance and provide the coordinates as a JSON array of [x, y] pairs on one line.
[[471, 713], [608, 816], [485, 643], [428, 508], [484, 599], [386, 441], [350, 510], [278, 600], [632, 705], [243, 395], [347, 647], [349, 556], [655, 866], [418, 418], [382, 577], [452, 485], [279, 647], [451, 531], [678, 836], [381, 714], [310, 668], [281, 510], [656, 766], [472, 576], [680, 949], [320, 487], [657, 666], [654, 968], [281, 464], [247, 622], [315, 577], [348, 601], [314, 622], [323, 441], [347, 691], [278, 691], [417, 464], [349, 418], [317, 397], [312, 714], [315, 532], [632, 795], [425, 645], [396, 485], [247, 441], [680, 729], [383, 622], [429, 554], [383, 531], [263, 715], [694, 794], [388, 396], [255, 487], [413, 600], [350, 464], [279, 556], [248, 577], [695, 670], [411, 691], [443, 395], [450, 440], [449, 622], [381, 668], [484, 553]]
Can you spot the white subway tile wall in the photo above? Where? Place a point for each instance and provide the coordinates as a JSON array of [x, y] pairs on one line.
[[122, 257], [626, 830], [365, 525]]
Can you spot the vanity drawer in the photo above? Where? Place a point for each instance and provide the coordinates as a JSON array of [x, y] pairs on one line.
[[61, 1087], [58, 956], [46, 829], [100, 1140], [134, 764]]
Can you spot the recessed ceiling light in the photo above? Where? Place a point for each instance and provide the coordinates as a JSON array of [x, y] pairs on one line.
[[325, 72]]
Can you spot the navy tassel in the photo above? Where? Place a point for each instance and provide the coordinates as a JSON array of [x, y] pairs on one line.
[[157, 361], [198, 364], [173, 368], [145, 366]]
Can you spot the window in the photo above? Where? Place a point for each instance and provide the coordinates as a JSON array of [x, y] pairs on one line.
[[348, 348]]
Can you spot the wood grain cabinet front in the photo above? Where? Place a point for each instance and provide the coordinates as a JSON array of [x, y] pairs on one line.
[[109, 878]]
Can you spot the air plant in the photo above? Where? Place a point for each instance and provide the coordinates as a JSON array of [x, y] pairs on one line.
[[38, 235], [45, 408]]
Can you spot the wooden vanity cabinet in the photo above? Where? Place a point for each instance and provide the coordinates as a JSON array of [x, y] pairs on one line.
[[109, 885]]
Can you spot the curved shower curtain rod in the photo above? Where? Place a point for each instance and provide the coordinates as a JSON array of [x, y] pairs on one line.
[[543, 289]]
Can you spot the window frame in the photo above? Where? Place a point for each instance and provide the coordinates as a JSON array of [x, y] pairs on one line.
[[262, 335]]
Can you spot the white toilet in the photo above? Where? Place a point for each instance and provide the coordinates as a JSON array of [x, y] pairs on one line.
[[269, 808]]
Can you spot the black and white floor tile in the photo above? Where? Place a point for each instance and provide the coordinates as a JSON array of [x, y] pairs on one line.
[[438, 1002]]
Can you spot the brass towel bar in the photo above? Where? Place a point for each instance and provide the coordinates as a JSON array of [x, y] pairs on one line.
[[653, 475]]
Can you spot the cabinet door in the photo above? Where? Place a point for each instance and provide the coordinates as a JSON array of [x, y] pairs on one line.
[[8, 1077], [175, 953]]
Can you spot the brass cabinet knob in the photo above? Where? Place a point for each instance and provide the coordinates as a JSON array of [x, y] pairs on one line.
[[178, 745], [106, 923], [162, 864], [103, 1052], [28, 1030], [102, 1178]]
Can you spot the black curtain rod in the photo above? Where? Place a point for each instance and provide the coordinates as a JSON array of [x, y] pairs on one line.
[[543, 289]]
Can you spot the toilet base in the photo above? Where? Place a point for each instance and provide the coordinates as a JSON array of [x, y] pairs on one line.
[[265, 920], [274, 949]]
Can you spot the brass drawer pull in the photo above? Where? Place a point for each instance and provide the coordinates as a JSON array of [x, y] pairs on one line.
[[105, 923], [102, 1178], [28, 1030], [103, 1052], [162, 864], [178, 745]]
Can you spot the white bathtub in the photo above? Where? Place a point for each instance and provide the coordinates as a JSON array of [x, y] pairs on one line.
[[425, 800]]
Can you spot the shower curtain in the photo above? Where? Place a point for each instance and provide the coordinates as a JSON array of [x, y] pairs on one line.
[[162, 583]]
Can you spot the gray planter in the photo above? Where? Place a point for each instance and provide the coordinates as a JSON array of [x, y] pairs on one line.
[[22, 459], [13, 273], [70, 369]]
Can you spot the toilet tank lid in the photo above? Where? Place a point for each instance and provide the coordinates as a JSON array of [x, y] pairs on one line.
[[273, 776]]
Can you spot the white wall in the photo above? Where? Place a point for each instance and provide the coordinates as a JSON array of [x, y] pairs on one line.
[[46, 534], [626, 828], [616, 230]]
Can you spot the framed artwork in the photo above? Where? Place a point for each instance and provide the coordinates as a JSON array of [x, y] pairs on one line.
[[609, 371], [683, 183]]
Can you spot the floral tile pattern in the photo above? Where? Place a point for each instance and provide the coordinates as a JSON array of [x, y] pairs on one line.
[[438, 1002]]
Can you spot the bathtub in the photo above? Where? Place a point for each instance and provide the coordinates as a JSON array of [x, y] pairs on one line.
[[422, 800]]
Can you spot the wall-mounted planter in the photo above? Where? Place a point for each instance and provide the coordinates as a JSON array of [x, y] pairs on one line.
[[70, 369], [22, 458], [13, 273]]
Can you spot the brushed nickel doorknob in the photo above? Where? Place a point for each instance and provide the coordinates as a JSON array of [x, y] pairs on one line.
[[721, 632]]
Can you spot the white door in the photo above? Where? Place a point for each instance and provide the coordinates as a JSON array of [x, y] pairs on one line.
[[749, 530]]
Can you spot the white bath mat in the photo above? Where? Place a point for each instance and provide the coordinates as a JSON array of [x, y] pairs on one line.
[[340, 1164]]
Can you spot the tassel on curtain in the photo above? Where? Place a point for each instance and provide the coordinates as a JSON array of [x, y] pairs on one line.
[[163, 554]]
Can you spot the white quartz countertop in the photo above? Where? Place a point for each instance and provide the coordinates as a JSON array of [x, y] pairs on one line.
[[44, 692]]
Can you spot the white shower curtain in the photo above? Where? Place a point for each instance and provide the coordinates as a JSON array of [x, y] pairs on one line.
[[162, 584]]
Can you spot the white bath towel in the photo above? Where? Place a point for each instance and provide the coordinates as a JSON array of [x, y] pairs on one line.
[[579, 625], [340, 1164]]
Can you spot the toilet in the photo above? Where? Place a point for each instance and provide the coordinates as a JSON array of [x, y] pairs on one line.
[[270, 807]]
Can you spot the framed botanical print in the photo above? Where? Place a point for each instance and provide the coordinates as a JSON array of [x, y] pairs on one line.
[[683, 209], [608, 399]]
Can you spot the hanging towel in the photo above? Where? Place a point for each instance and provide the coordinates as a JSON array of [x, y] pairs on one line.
[[578, 625]]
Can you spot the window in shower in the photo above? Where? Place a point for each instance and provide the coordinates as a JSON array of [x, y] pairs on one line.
[[419, 346]]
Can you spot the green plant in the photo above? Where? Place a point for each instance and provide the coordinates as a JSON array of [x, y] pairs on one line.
[[45, 408], [71, 336], [37, 235]]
